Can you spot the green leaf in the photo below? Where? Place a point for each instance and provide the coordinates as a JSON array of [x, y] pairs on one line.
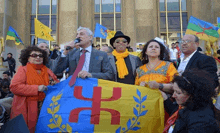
[[50, 111], [52, 126], [59, 121], [56, 109], [68, 128]]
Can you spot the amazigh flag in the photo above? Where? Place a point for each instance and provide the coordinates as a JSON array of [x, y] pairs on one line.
[[202, 29], [100, 31], [13, 35], [101, 106], [42, 31], [218, 21]]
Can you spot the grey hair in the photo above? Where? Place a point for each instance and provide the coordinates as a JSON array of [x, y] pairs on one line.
[[196, 38], [89, 32], [42, 42]]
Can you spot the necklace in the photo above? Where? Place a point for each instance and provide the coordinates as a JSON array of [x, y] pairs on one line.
[[152, 68]]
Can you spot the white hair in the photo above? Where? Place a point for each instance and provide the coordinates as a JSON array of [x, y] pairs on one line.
[[89, 32]]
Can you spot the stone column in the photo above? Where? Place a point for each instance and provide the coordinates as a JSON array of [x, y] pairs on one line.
[[67, 20], [128, 20], [2, 5], [17, 14], [86, 14], [147, 20], [201, 9]]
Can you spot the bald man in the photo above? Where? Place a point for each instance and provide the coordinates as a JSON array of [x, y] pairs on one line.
[[193, 59], [51, 62]]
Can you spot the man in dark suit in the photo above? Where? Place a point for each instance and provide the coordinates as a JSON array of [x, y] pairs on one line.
[[124, 64], [96, 63], [194, 59]]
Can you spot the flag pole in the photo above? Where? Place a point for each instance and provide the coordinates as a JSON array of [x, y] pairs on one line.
[[50, 20], [34, 21], [100, 13]]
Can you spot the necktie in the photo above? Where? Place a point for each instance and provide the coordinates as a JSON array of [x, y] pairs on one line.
[[171, 120], [78, 68]]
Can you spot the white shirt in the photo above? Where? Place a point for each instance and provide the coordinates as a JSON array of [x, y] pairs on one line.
[[173, 53], [87, 58], [184, 63]]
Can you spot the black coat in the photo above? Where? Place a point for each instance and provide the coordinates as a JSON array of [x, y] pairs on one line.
[[203, 62], [199, 121], [11, 62]]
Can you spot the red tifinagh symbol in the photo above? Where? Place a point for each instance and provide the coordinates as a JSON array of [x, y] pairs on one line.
[[96, 105], [204, 29]]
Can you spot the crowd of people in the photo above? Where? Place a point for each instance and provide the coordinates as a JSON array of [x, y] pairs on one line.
[[187, 78]]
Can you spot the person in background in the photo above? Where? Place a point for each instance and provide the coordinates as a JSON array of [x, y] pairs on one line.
[[130, 49], [193, 111], [51, 62], [107, 49], [173, 53], [6, 75], [123, 63], [11, 63], [55, 53], [141, 47], [97, 47], [29, 84]]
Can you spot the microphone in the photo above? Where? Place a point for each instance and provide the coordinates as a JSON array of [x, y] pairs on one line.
[[77, 40]]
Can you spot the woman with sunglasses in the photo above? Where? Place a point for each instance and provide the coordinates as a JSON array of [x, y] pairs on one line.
[[193, 111], [29, 83]]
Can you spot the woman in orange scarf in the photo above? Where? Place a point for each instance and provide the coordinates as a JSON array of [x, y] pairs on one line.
[[29, 83]]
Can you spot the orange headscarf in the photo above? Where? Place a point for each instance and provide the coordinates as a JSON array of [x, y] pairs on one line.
[[34, 78]]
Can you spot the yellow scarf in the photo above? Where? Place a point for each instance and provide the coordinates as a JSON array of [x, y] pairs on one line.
[[120, 63]]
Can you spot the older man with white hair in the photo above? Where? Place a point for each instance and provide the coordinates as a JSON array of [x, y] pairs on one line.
[[85, 62]]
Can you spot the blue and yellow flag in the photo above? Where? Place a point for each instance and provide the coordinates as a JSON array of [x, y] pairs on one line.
[[202, 29], [100, 31], [101, 106], [13, 35], [218, 21]]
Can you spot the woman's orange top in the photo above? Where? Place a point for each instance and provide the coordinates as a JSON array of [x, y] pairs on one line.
[[163, 73]]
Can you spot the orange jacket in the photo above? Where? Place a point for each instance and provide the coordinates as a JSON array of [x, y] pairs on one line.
[[21, 90]]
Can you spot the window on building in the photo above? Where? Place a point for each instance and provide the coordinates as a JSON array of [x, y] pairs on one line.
[[46, 12], [108, 16], [173, 19]]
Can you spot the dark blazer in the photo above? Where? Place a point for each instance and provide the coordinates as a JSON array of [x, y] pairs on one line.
[[99, 65], [199, 121], [135, 63], [204, 62]]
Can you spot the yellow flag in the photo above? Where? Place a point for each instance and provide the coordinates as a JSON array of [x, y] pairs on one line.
[[42, 31], [110, 34]]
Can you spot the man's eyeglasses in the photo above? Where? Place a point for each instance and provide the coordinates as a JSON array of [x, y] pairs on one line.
[[36, 55], [185, 41]]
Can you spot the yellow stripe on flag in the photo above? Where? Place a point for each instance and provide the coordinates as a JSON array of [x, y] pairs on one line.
[[10, 38], [151, 122], [202, 36], [42, 31]]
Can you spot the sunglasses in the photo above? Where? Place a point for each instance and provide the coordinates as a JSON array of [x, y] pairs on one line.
[[36, 55]]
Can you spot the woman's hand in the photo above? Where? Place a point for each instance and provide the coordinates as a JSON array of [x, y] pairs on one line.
[[42, 88], [52, 82], [164, 95], [153, 84], [143, 83]]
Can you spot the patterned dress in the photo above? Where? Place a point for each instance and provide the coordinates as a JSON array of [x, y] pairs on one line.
[[163, 73]]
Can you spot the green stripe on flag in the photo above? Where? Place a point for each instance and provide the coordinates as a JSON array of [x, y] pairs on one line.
[[196, 28], [11, 34]]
